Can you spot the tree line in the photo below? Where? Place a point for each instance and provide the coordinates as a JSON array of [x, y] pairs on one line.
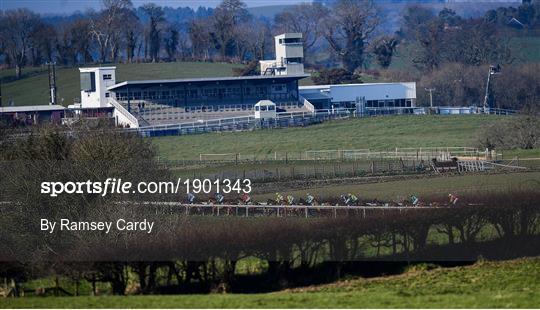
[[349, 30]]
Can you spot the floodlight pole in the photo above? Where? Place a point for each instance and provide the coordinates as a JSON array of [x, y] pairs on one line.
[[492, 70], [487, 90], [52, 82]]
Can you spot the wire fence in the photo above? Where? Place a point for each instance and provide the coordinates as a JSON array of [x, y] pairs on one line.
[[309, 170], [423, 153]]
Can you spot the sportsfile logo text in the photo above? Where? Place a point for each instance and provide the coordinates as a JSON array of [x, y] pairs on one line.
[[118, 186]]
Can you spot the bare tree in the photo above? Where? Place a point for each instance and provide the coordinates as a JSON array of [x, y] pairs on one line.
[[42, 43], [348, 29], [16, 28], [106, 26], [253, 40], [131, 34], [228, 16], [200, 39], [305, 19], [429, 54], [171, 41], [413, 17], [475, 42], [384, 49], [153, 39]]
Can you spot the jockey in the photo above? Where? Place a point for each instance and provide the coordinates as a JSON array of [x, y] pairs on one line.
[[352, 198], [191, 198], [219, 198], [414, 200], [290, 199], [310, 199], [279, 198], [245, 198], [345, 199], [453, 198]]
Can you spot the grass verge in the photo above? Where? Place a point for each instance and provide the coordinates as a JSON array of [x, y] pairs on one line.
[[509, 284]]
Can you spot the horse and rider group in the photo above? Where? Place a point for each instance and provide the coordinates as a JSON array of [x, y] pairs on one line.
[[309, 200]]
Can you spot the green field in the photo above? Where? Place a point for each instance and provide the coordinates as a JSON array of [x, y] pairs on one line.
[[524, 49], [32, 88], [377, 133], [433, 187], [510, 284]]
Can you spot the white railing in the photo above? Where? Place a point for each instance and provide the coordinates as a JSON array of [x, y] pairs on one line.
[[308, 105], [130, 117]]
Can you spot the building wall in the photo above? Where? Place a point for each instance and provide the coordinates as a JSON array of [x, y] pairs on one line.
[[289, 50], [103, 78], [379, 91], [374, 95]]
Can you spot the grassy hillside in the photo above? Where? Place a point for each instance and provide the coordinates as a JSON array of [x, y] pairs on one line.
[[377, 133], [510, 284], [32, 89], [524, 49]]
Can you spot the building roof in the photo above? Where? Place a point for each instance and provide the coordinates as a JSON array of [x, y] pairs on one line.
[[294, 35], [316, 96], [93, 69], [357, 84], [265, 103], [212, 79], [31, 108]]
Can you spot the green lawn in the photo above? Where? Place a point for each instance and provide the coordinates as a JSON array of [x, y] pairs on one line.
[[32, 88], [437, 186], [377, 133], [510, 284]]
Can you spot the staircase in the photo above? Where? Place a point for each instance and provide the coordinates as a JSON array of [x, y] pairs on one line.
[[124, 117]]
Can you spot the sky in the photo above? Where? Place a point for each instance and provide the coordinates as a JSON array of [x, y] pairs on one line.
[[69, 6]]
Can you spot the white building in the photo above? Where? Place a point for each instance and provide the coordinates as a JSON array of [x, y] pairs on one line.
[[368, 95], [94, 84], [265, 109], [95, 95], [289, 56]]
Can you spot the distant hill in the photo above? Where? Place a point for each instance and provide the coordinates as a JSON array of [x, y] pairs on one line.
[[268, 11]]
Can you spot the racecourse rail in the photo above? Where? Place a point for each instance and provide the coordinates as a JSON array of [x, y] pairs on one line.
[[254, 210], [288, 119]]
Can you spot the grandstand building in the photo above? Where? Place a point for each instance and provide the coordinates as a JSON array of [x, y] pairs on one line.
[[177, 101]]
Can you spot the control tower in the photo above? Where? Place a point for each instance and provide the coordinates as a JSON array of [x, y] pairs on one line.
[[289, 56]]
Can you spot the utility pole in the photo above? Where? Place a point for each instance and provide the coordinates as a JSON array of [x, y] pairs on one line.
[[52, 82], [0, 91], [430, 90], [492, 70]]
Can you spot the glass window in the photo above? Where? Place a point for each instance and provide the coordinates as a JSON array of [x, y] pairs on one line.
[[257, 108], [271, 108]]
